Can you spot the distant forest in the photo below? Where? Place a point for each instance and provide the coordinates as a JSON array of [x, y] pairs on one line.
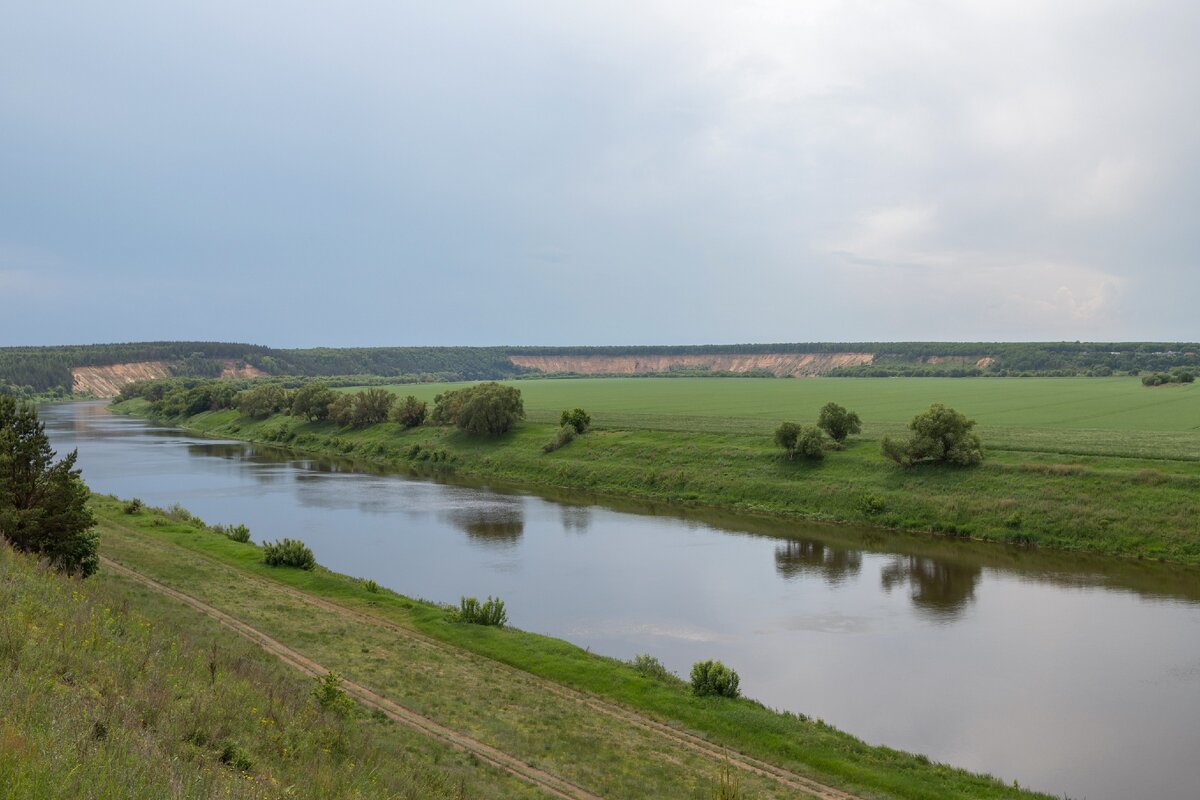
[[41, 370]]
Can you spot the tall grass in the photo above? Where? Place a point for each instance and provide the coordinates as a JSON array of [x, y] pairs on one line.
[[98, 700]]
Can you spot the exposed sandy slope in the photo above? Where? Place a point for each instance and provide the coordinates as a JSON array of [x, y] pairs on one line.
[[794, 365], [106, 381]]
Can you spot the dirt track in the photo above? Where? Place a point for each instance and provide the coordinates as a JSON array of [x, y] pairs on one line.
[[553, 784]]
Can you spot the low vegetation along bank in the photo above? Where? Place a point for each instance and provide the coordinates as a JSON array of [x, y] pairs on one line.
[[1119, 492], [103, 678]]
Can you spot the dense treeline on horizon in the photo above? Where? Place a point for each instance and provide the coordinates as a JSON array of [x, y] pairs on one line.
[[35, 370]]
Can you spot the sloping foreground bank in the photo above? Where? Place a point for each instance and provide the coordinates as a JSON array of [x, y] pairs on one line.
[[594, 723], [1134, 507]]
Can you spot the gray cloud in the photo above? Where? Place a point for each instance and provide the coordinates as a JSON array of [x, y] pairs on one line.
[[645, 172]]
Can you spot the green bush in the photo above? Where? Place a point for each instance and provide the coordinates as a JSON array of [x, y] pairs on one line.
[[712, 678], [940, 435], [651, 667], [577, 418], [134, 506], [871, 504], [288, 553], [838, 422], [803, 440], [565, 435], [410, 412], [238, 533], [489, 612], [331, 697], [486, 408]]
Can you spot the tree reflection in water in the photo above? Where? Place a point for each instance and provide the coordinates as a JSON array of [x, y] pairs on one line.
[[498, 526], [940, 589], [808, 557]]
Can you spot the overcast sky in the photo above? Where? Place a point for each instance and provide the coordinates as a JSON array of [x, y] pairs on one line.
[[553, 173]]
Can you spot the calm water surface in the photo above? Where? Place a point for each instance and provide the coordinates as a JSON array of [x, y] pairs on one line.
[[1073, 676]]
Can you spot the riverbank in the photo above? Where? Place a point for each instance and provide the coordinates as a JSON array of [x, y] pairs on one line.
[[1137, 507], [517, 691]]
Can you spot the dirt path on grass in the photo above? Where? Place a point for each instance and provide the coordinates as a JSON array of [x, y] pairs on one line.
[[552, 784], [681, 738]]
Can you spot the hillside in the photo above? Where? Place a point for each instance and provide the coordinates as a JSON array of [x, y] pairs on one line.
[[103, 368]]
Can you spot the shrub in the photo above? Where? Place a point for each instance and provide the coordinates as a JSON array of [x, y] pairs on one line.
[[331, 697], [288, 553], [871, 504], [651, 667], [371, 586], [487, 408], [803, 440], [839, 423], [410, 412], [489, 612], [180, 514], [263, 401], [134, 506], [712, 678], [370, 407], [940, 435], [577, 418], [312, 401], [565, 435], [238, 533]]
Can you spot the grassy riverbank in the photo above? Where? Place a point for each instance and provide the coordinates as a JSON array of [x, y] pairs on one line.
[[1129, 489], [507, 688]]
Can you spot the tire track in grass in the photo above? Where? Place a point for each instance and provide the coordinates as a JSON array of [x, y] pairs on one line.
[[548, 782]]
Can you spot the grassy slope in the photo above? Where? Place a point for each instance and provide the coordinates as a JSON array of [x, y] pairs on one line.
[[1116, 490], [106, 692], [513, 713]]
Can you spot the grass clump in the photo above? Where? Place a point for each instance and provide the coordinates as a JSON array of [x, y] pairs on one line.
[[289, 553], [491, 612]]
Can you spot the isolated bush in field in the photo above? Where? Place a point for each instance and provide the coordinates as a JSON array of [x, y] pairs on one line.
[[43, 503], [410, 412], [838, 422], [577, 418], [712, 678], [489, 612], [940, 435], [564, 436], [371, 586], [802, 440], [486, 408], [312, 401], [331, 697], [289, 553], [134, 506]]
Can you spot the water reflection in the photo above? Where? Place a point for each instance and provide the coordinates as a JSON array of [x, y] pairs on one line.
[[803, 557], [493, 525], [576, 519], [941, 590]]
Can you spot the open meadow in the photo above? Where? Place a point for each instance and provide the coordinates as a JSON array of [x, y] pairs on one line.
[[1101, 416]]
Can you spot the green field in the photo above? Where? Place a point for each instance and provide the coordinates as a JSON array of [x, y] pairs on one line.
[[1116, 416]]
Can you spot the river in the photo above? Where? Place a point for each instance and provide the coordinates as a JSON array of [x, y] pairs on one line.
[[1072, 675]]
